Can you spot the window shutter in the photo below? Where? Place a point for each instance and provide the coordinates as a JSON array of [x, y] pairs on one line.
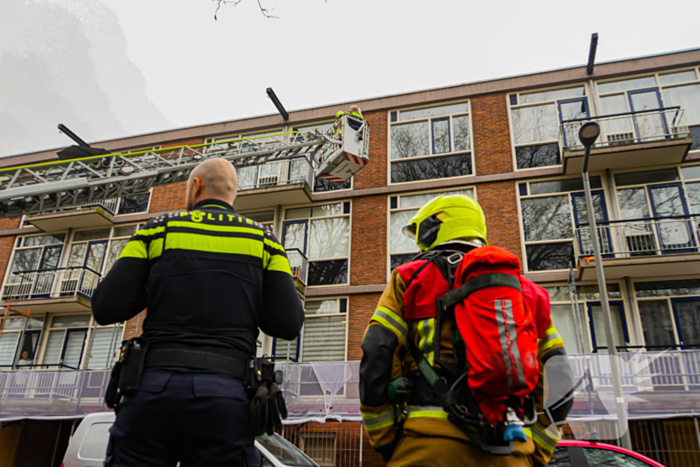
[[324, 339], [101, 343]]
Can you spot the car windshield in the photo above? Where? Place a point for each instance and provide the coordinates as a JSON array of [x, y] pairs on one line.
[[284, 451]]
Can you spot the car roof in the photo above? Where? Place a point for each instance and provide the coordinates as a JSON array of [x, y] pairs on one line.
[[570, 443]]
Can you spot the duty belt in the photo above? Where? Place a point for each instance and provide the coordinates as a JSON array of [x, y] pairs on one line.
[[228, 361]]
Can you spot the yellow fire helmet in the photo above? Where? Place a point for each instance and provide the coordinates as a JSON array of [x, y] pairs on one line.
[[446, 218], [339, 114]]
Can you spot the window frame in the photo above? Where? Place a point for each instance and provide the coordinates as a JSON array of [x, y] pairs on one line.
[[431, 144], [398, 196], [629, 323], [568, 194], [109, 239], [349, 215], [556, 103], [48, 323], [273, 223]]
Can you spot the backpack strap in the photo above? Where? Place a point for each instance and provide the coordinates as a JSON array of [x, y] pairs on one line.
[[453, 297]]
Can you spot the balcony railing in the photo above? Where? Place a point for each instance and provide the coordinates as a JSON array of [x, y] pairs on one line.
[[627, 128], [54, 283], [299, 264], [641, 237]]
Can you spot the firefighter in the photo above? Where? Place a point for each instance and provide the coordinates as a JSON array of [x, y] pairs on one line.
[[338, 125], [417, 432], [355, 117], [209, 278]]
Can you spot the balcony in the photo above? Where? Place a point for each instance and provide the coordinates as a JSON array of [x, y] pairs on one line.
[[275, 183], [658, 247], [55, 290], [87, 215], [628, 140]]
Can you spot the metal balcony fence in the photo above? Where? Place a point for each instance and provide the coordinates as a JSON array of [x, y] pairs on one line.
[[627, 128], [641, 237], [656, 384], [299, 264], [52, 283]]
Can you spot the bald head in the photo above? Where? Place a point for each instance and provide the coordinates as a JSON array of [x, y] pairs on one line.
[[212, 179]]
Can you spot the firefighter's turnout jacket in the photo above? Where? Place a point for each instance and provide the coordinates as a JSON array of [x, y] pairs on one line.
[[409, 314]]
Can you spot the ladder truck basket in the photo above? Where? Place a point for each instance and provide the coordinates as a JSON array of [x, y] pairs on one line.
[[350, 154]]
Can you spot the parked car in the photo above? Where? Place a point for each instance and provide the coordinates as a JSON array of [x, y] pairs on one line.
[[89, 443], [570, 453]]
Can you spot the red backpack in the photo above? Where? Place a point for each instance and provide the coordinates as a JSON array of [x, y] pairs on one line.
[[499, 330]]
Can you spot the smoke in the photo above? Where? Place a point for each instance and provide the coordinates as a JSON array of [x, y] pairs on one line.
[[67, 63]]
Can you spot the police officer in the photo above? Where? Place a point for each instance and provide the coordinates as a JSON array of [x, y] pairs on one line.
[[209, 279]]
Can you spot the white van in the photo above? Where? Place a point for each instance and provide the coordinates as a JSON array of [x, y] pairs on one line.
[[88, 446]]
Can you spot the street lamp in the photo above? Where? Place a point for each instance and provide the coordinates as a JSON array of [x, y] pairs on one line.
[[588, 134]]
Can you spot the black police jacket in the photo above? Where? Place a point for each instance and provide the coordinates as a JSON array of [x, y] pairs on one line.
[[208, 277]]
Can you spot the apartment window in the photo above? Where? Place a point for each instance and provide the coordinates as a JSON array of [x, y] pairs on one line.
[[430, 143], [535, 120], [401, 208], [34, 260], [322, 234], [665, 197], [580, 323], [133, 204], [19, 342], [323, 337], [103, 346], [65, 342], [656, 91], [669, 312], [265, 218], [551, 211], [98, 249], [319, 184]]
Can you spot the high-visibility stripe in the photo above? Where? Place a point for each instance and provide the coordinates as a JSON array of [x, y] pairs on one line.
[[222, 245], [543, 436], [155, 248], [149, 232], [426, 343], [391, 320], [134, 249], [278, 263], [552, 338], [415, 411], [377, 421], [503, 312]]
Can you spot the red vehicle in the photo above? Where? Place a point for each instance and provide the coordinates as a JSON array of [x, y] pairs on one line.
[[571, 453]]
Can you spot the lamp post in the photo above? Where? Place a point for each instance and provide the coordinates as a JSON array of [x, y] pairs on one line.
[[588, 134]]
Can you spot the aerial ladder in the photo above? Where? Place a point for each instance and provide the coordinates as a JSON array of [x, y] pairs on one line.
[[46, 187]]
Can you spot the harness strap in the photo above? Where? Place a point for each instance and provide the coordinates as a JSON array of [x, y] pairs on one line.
[[487, 280]]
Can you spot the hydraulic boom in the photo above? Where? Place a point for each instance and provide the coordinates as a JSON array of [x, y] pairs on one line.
[[51, 186]]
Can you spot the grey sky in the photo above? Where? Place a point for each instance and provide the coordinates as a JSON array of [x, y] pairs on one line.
[[113, 68]]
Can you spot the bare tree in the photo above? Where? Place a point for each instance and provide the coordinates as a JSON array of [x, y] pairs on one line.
[[265, 12]]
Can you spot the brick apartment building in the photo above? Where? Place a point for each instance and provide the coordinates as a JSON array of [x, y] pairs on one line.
[[511, 143]]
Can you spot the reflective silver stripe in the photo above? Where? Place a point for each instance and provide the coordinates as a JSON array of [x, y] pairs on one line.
[[550, 337], [399, 326], [371, 422], [509, 347], [544, 435]]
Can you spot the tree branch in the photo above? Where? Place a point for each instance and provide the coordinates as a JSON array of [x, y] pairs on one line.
[[265, 11]]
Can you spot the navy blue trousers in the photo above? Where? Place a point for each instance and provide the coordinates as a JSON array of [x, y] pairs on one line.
[[193, 417]]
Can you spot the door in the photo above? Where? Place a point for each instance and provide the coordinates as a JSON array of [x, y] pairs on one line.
[[294, 240], [572, 109], [597, 324], [668, 200], [650, 125], [94, 258], [687, 315], [50, 259], [581, 217]]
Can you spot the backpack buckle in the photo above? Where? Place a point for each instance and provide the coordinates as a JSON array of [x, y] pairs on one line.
[[454, 258]]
